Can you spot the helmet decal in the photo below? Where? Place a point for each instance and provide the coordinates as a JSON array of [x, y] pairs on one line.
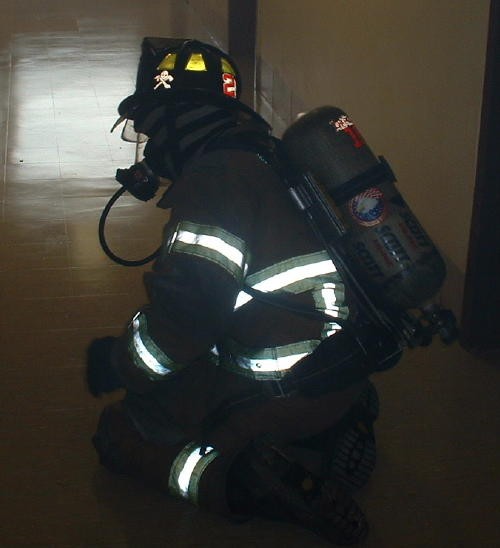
[[229, 84], [163, 79]]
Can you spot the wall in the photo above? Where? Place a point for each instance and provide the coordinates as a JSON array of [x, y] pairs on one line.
[[410, 74], [211, 16]]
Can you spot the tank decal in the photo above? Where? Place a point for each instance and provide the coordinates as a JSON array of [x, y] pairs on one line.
[[382, 251], [415, 229], [368, 208], [393, 246], [367, 260], [346, 125]]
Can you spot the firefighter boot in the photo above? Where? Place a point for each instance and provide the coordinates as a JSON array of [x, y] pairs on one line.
[[352, 456], [274, 487], [346, 452]]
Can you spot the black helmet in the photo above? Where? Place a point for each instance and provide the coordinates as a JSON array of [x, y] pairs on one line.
[[173, 70], [187, 92], [175, 66]]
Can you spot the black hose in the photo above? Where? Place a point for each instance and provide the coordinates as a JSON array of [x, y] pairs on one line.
[[102, 238]]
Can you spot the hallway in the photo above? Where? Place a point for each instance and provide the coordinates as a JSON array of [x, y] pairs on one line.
[[63, 71]]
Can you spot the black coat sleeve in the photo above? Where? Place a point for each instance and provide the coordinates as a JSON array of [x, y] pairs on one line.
[[191, 297]]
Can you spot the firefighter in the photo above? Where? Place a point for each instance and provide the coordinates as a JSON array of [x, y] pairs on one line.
[[214, 410]]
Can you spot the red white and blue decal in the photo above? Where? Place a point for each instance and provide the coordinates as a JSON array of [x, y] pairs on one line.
[[368, 208]]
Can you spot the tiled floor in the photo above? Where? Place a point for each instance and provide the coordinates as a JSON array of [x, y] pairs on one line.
[[63, 70]]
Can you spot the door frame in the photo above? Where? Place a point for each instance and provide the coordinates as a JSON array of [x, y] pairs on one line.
[[242, 38], [480, 322]]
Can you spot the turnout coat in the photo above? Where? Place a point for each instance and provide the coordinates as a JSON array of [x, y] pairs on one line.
[[203, 360]]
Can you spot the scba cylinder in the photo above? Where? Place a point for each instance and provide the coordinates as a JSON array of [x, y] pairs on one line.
[[384, 242]]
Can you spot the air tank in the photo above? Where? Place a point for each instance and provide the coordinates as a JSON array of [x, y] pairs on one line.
[[384, 243]]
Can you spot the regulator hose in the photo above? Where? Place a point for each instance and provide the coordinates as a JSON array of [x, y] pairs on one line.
[[102, 237]]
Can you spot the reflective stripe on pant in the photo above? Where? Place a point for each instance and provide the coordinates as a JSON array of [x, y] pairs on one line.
[[188, 468], [145, 353], [266, 363], [176, 469]]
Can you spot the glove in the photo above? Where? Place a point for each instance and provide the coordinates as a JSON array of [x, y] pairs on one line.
[[344, 359], [139, 180], [101, 375]]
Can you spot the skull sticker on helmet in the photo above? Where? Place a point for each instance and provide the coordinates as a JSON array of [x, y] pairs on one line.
[[163, 79]]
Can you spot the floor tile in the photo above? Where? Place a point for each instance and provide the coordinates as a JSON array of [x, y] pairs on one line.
[[90, 170], [18, 284], [34, 230], [40, 101], [50, 350], [32, 172], [75, 104], [33, 207], [46, 254], [32, 139], [73, 153], [21, 155], [105, 311]]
